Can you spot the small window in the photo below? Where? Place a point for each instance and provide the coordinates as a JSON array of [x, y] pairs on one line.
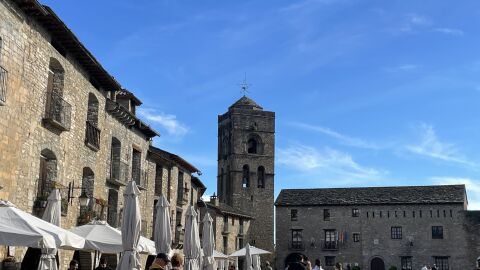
[[388, 214], [246, 176], [396, 232], [437, 232], [406, 263], [367, 214], [431, 213], [225, 219], [441, 263], [261, 177], [404, 213], [355, 212], [297, 239], [381, 214], [233, 221], [294, 215], [326, 214], [225, 245], [420, 213], [444, 213], [413, 214], [329, 260], [451, 213], [396, 214], [356, 237], [252, 146], [373, 214], [438, 213]]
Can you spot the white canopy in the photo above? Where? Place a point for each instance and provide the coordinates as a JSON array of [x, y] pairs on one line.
[[192, 241], [52, 214], [102, 237], [18, 228], [163, 232], [253, 251], [248, 258], [208, 243]]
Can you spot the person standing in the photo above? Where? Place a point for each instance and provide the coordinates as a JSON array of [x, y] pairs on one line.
[[103, 265], [317, 266], [160, 262], [73, 265], [177, 261], [434, 267], [338, 266]]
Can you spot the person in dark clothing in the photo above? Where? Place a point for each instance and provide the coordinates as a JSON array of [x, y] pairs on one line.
[[160, 262], [103, 265], [177, 261], [73, 265]]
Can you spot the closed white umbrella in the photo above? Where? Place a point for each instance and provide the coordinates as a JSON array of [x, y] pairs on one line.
[[208, 243], [163, 230], [18, 228], [102, 237], [256, 262], [248, 258], [53, 215], [192, 241], [131, 227]]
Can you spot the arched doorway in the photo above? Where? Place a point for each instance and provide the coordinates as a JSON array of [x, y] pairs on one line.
[[377, 264]]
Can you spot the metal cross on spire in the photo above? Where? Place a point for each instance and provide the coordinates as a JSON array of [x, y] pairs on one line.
[[245, 85]]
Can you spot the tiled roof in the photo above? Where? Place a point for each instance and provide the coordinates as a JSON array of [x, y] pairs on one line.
[[373, 195], [227, 209], [157, 152]]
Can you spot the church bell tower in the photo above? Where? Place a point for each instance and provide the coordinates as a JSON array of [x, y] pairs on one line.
[[246, 151]]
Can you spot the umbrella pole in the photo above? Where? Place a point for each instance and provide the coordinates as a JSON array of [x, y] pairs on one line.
[[95, 260]]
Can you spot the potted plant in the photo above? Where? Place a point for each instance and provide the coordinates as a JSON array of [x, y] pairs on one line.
[[9, 263]]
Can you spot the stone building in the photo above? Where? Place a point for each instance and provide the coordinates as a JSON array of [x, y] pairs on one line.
[[245, 182], [378, 227], [66, 123], [174, 180]]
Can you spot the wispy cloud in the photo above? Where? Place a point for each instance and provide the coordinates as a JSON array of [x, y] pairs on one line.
[[402, 68], [168, 122], [450, 31], [412, 22], [307, 159], [430, 146], [472, 186], [341, 138]]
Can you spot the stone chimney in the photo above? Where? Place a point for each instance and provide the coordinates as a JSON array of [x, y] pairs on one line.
[[214, 199]]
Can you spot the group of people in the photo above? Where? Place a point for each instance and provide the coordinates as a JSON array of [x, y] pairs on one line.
[[159, 263], [300, 262], [428, 267]]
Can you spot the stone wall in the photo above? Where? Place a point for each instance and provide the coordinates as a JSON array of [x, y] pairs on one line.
[[374, 226], [26, 54]]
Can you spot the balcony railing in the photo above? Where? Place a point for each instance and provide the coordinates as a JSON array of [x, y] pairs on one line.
[[92, 136], [330, 245], [118, 172], [3, 85], [139, 176], [183, 197], [297, 246], [58, 111]]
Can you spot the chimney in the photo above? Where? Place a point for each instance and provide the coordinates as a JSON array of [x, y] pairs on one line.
[[214, 199]]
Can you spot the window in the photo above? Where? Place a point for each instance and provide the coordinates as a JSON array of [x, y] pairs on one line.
[[297, 239], [331, 239], [388, 214], [356, 237], [451, 213], [246, 176], [136, 165], [396, 232], [261, 177], [404, 213], [225, 245], [3, 79], [58, 111], [92, 132], [396, 214], [413, 214], [225, 219], [294, 215], [329, 260], [326, 214], [406, 263], [420, 213], [437, 232], [233, 221], [441, 262], [252, 146], [381, 214], [355, 212], [240, 242]]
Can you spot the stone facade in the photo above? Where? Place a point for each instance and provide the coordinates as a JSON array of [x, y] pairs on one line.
[[246, 150], [323, 227]]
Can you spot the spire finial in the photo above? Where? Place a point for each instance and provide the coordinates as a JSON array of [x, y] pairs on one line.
[[245, 85]]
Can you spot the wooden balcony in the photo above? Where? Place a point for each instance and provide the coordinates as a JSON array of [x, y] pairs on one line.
[[58, 113], [92, 136], [118, 173]]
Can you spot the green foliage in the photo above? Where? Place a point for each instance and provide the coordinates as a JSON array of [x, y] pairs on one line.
[[356, 267], [392, 268]]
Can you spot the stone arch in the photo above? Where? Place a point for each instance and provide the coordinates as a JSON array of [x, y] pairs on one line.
[[377, 263], [56, 77], [261, 177], [92, 111], [254, 144], [48, 172], [245, 176]]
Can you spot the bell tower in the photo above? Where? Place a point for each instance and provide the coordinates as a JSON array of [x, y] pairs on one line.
[[246, 151]]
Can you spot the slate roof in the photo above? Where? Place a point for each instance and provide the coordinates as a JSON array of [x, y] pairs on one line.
[[246, 103], [440, 194], [227, 209]]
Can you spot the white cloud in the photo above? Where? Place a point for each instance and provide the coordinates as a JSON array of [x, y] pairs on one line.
[[342, 138], [430, 146], [450, 31], [413, 21], [168, 122], [308, 159], [472, 186]]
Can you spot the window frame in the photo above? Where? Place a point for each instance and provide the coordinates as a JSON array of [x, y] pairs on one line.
[[396, 232], [355, 212], [406, 262], [441, 262], [437, 232], [293, 214], [356, 237], [330, 260], [326, 215], [296, 238]]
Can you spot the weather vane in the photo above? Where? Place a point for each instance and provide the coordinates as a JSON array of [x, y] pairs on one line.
[[245, 85]]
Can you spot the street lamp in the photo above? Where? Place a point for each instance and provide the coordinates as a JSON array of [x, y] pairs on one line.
[[83, 199]]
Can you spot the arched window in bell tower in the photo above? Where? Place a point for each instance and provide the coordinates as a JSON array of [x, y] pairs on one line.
[[261, 177], [252, 146], [246, 176]]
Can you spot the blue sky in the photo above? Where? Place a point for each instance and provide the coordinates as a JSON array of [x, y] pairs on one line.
[[366, 93]]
